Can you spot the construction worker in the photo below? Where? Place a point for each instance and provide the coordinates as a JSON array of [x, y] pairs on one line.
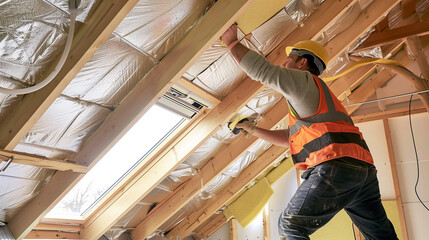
[[339, 171]]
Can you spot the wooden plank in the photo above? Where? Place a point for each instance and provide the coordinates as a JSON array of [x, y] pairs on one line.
[[214, 204], [418, 51], [368, 18], [211, 227], [38, 161], [382, 25], [42, 234], [88, 38], [398, 196], [198, 90], [233, 229], [388, 114], [266, 222], [168, 207], [408, 7], [390, 36], [57, 227]]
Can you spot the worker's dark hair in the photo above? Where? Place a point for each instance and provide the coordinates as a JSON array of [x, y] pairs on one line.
[[310, 62]]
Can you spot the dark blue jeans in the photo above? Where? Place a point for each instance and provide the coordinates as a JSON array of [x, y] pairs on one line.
[[329, 187]]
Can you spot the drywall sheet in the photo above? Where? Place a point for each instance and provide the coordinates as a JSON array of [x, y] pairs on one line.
[[254, 231], [258, 13], [373, 133]]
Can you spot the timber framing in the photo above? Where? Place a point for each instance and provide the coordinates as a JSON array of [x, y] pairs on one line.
[[357, 86], [38, 161]]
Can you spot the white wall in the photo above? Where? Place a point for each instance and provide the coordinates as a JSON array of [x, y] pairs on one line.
[[416, 217], [221, 234]]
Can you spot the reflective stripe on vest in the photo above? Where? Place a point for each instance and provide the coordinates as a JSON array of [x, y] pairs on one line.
[[326, 135]]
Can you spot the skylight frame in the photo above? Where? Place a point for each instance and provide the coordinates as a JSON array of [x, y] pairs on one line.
[[137, 167]]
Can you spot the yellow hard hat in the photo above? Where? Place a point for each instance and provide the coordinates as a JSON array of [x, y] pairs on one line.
[[312, 48]]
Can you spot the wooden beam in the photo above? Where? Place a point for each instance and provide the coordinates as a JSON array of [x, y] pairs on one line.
[[368, 18], [198, 90], [211, 227], [382, 25], [42, 234], [214, 204], [233, 234], [408, 7], [388, 114], [417, 49], [398, 196], [88, 38], [266, 222], [168, 207], [38, 161], [389, 36], [57, 227]]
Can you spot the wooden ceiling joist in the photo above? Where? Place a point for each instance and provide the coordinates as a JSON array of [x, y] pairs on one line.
[[388, 114], [43, 234], [390, 36], [89, 37], [205, 176], [212, 205], [38, 161], [408, 7], [368, 18]]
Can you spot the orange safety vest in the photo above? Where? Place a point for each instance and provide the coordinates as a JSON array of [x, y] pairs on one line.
[[328, 134]]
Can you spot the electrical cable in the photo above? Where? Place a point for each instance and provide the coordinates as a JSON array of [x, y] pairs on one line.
[[58, 67], [415, 151]]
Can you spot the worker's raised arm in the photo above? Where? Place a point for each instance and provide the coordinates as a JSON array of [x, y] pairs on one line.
[[276, 137], [229, 38]]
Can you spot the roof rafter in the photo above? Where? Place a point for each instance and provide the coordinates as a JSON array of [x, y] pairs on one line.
[[368, 18], [389, 36]]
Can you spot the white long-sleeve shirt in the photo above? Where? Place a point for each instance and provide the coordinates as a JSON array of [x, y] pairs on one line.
[[297, 86]]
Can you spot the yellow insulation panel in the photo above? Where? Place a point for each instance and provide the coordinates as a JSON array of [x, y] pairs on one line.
[[258, 13]]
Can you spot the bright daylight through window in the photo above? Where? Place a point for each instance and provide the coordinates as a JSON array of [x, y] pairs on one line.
[[133, 147]]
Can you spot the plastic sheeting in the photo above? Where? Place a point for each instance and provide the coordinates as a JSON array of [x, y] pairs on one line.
[[66, 124], [32, 36], [299, 10], [19, 183], [108, 82], [84, 7], [156, 26]]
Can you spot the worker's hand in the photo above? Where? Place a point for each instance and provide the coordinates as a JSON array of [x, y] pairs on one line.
[[248, 126], [230, 35]]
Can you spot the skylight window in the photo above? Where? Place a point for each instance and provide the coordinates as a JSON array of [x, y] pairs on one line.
[[133, 147]]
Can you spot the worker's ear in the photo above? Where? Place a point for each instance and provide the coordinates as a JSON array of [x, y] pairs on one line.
[[303, 63]]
